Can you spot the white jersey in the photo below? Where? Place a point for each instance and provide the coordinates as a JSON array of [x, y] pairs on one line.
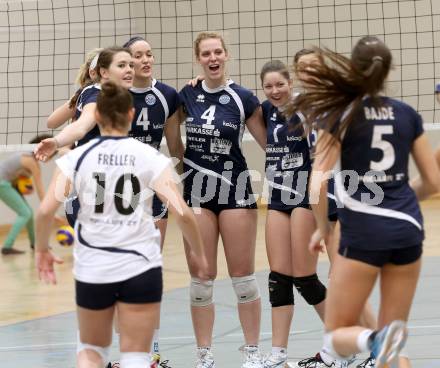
[[115, 237]]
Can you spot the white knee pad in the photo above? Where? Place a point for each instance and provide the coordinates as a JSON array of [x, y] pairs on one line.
[[104, 352], [246, 288], [201, 292], [135, 360]]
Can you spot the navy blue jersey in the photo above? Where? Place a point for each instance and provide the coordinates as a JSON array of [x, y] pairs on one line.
[[88, 95], [153, 105], [382, 212], [215, 124], [288, 161]]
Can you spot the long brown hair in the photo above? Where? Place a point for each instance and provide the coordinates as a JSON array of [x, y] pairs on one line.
[[336, 85], [113, 104]]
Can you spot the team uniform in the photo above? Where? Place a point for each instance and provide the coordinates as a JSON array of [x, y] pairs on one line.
[[288, 161], [153, 105], [379, 230], [117, 246], [216, 172], [88, 95]]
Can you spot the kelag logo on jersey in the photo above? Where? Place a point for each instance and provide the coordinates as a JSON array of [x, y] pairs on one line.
[[224, 99], [150, 99]]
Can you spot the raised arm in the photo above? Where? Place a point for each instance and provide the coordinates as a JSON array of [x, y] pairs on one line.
[[69, 134], [428, 182], [60, 115], [174, 138], [255, 125]]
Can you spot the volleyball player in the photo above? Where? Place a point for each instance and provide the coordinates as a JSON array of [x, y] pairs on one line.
[[156, 106], [217, 186], [11, 168], [290, 221], [156, 113], [370, 136], [117, 250], [113, 63], [306, 58]]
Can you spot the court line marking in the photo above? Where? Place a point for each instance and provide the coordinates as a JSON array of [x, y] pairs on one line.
[[184, 337]]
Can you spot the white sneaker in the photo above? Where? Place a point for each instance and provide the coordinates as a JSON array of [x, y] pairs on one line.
[[205, 359], [275, 361], [252, 357]]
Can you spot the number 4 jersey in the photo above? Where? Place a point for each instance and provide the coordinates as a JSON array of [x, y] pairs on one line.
[[115, 237], [154, 105], [215, 124]]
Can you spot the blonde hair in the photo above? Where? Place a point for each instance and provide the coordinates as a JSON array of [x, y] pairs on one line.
[[205, 36], [83, 76]]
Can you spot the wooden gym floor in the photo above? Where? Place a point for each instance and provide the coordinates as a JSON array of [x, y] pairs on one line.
[[38, 327]]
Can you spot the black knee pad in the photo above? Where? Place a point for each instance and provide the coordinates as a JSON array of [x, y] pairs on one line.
[[280, 289], [311, 289]]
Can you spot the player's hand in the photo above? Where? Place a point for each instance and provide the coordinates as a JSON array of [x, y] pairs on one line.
[[316, 242], [45, 261], [193, 82], [45, 149]]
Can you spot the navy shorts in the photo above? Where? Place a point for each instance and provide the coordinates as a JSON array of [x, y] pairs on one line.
[[380, 257], [217, 204], [216, 207], [144, 288], [288, 210], [160, 211]]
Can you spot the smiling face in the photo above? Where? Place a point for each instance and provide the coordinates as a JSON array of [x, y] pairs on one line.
[[120, 71], [212, 57], [277, 88], [143, 60]]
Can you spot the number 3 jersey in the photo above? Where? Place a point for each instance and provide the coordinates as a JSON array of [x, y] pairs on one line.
[[380, 210], [215, 124], [115, 237], [153, 105]]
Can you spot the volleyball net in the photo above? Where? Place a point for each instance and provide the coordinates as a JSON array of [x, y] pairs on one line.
[[43, 43]]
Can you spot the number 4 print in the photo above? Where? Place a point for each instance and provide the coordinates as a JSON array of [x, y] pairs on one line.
[[142, 119], [208, 115]]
